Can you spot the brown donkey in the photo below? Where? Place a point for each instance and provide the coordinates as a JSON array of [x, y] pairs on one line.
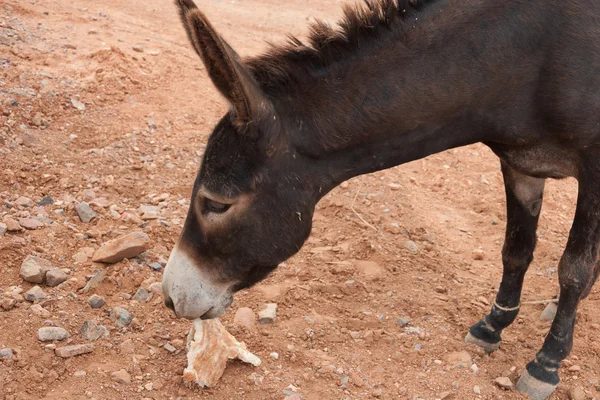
[[397, 81]]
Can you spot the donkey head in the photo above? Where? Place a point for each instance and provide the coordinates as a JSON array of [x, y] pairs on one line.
[[253, 198]]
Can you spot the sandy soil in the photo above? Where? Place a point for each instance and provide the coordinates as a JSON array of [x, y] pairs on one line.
[[147, 116]]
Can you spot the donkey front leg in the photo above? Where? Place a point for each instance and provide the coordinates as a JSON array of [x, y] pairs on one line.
[[523, 204], [577, 273]]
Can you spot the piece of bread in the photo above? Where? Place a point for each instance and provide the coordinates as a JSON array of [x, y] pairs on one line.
[[209, 348]]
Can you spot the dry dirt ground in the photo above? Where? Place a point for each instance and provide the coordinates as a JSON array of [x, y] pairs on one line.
[[430, 251]]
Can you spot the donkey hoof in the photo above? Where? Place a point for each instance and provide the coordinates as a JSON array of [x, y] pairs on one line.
[[486, 346], [536, 389]]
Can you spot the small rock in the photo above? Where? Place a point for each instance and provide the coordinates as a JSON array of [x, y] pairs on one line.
[[377, 393], [169, 347], [476, 390], [127, 347], [30, 223], [156, 287], [6, 354], [504, 382], [294, 396], [91, 331], [549, 312], [24, 202], [96, 302], [79, 374], [86, 214], [49, 334], [138, 48], [156, 266], [121, 377], [35, 294], [575, 368], [55, 277], [46, 201], [459, 358], [96, 279], [38, 119], [126, 246], [411, 246], [7, 304], [12, 225], [577, 393], [40, 311], [142, 295], [77, 104], [445, 395], [121, 316], [245, 317], [478, 254], [3, 228], [72, 351], [274, 356], [268, 314], [33, 269]]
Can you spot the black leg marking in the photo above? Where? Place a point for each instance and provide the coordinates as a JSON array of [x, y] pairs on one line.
[[524, 196]]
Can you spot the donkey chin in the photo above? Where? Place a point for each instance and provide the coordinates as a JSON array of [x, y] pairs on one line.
[[190, 292]]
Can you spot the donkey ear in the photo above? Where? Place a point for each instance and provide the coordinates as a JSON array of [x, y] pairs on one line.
[[224, 67]]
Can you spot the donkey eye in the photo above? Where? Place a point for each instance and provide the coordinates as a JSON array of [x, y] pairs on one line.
[[215, 207]]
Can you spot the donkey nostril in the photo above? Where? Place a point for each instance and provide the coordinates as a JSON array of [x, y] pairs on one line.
[[169, 303]]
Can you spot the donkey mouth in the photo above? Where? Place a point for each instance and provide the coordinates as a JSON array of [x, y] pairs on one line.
[[218, 310]]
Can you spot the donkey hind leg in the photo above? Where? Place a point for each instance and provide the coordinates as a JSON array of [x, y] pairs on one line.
[[577, 272], [523, 204]]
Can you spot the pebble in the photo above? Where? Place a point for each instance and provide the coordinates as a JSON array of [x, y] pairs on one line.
[[35, 294], [478, 254], [170, 348], [294, 396], [72, 351], [6, 354], [575, 368], [245, 317], [476, 390], [268, 314], [91, 331], [55, 277], [30, 223], [504, 382], [156, 287], [459, 358], [142, 295], [38, 119], [7, 304], [274, 355], [576, 393], [24, 202], [3, 228], [121, 316], [126, 246], [86, 214], [549, 312], [96, 302], [138, 48], [411, 246], [50, 334], [77, 104], [33, 269], [403, 322], [127, 346], [121, 376], [79, 374], [46, 201], [12, 225], [40, 311], [156, 266]]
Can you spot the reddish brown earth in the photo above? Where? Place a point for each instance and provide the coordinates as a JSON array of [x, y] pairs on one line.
[[147, 116]]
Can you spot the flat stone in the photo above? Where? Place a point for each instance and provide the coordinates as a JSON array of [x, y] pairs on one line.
[[40, 311], [245, 317], [126, 246], [12, 225], [403, 321], [170, 348], [3, 228], [86, 214], [121, 316], [79, 374], [504, 382], [138, 48], [577, 393], [30, 223], [72, 351], [46, 201], [122, 377], [35, 294], [96, 302], [6, 354], [411, 246], [50, 334], [34, 269], [55, 277], [268, 314], [459, 358], [142, 295], [24, 202], [156, 266], [96, 279], [76, 103], [91, 331]]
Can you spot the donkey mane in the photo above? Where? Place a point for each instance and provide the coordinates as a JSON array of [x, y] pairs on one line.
[[326, 44]]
